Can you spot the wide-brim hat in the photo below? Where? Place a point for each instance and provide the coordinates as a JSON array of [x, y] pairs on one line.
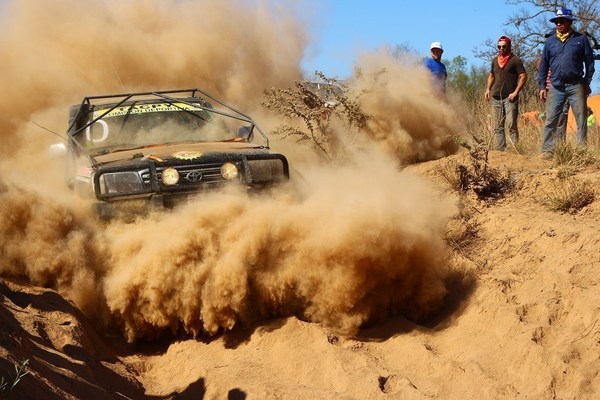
[[564, 13]]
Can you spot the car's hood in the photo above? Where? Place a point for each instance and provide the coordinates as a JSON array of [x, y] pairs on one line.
[[180, 151]]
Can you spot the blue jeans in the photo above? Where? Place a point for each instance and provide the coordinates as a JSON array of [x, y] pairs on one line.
[[555, 103], [563, 121], [505, 112]]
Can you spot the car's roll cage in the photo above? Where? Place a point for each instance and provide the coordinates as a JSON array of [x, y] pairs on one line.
[[89, 102]]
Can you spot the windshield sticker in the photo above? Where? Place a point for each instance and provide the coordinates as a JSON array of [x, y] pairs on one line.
[[103, 136], [187, 155], [145, 108]]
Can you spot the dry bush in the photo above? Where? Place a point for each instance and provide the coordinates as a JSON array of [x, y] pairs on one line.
[[565, 171], [317, 111], [486, 182], [569, 196], [448, 171]]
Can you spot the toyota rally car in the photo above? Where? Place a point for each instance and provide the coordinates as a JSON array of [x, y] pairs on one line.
[[156, 149]]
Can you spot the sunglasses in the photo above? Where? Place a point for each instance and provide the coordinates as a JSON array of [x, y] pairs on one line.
[[502, 47]]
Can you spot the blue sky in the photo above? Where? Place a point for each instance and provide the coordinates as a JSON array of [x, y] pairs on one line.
[[344, 28]]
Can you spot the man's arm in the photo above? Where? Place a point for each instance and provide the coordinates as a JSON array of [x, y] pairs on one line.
[[520, 83], [542, 72], [542, 75], [488, 87]]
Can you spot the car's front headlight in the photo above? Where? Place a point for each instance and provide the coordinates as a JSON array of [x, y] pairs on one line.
[[118, 183], [229, 171], [170, 176]]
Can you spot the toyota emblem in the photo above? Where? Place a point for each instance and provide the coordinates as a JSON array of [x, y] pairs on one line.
[[193, 176]]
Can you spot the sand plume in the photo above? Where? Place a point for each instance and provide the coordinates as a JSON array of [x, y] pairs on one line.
[[341, 245], [347, 250]]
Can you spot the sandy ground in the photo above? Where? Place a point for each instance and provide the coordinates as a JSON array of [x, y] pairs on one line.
[[353, 281], [520, 320]]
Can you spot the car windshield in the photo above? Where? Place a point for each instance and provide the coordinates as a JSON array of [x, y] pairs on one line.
[[146, 124]]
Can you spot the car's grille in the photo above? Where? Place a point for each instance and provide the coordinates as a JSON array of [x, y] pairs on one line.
[[190, 176]]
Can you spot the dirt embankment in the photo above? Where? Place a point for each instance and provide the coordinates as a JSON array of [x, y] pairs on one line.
[[520, 321]]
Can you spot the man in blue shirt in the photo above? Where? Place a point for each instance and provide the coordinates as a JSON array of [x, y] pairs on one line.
[[569, 57], [436, 66]]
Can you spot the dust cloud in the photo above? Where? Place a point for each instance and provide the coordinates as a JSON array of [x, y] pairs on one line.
[[412, 120], [55, 53], [343, 249], [47, 244], [339, 245]]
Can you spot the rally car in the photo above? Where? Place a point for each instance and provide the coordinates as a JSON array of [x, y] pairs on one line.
[[157, 149]]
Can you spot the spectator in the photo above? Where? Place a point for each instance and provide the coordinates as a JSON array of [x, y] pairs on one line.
[[563, 119], [436, 66], [568, 58], [591, 119], [592, 124], [506, 79]]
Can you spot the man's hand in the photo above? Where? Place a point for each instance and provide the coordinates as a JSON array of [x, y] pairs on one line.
[[486, 95], [543, 94], [512, 97]]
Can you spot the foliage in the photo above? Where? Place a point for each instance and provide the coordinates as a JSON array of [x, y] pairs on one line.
[[8, 384], [469, 84], [317, 109]]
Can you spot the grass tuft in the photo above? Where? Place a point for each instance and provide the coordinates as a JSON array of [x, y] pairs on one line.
[[567, 154], [7, 384], [569, 196]]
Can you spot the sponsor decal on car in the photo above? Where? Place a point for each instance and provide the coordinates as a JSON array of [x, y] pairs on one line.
[[187, 155], [145, 108]]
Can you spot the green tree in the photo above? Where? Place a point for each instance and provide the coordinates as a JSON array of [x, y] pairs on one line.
[[469, 83]]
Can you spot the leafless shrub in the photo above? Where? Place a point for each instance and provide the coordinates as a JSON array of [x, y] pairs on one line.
[[486, 182], [448, 171], [319, 111]]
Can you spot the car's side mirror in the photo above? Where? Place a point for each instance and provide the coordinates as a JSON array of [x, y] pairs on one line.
[[245, 132]]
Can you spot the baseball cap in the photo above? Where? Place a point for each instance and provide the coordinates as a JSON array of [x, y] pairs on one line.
[[506, 39], [436, 45]]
